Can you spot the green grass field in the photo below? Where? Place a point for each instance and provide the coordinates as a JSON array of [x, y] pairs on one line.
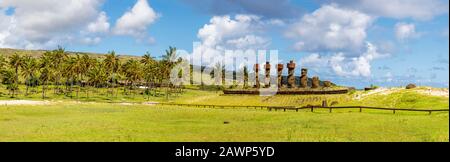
[[94, 119], [115, 122]]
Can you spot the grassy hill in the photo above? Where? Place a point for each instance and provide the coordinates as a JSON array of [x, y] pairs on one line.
[[37, 53]]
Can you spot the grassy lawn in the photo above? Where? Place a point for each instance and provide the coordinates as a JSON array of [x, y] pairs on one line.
[[68, 121], [97, 120]]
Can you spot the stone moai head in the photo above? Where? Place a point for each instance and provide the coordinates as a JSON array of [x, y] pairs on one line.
[[267, 79], [267, 66], [291, 65], [256, 67], [304, 72], [304, 78], [315, 82], [280, 67]]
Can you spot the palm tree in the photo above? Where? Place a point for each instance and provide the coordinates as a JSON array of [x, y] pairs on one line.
[[112, 64], [149, 69], [97, 74], [46, 72], [15, 61], [29, 68], [58, 57], [73, 69], [78, 70], [169, 60], [3, 63], [87, 63], [9, 78], [132, 70]]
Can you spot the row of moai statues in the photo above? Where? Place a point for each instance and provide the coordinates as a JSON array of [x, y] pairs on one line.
[[290, 79]]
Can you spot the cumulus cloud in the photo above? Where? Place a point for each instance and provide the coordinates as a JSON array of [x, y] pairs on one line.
[[240, 32], [224, 29], [91, 40], [28, 26], [404, 31], [101, 25], [345, 66], [330, 28], [136, 21], [399, 9]]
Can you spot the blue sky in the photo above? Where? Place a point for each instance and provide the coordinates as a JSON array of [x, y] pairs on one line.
[[355, 43]]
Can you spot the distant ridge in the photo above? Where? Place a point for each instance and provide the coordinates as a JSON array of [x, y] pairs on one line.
[[38, 53]]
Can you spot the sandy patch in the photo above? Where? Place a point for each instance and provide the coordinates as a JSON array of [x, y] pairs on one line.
[[126, 104], [151, 103], [22, 102], [435, 92], [378, 91]]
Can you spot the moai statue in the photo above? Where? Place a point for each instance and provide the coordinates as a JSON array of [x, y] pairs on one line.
[[256, 68], [267, 79], [315, 82], [327, 84], [280, 75], [304, 78], [291, 76]]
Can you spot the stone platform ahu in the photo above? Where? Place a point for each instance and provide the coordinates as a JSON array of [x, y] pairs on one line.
[[292, 85]]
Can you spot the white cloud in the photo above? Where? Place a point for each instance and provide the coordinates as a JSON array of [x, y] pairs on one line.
[[45, 23], [330, 28], [342, 65], [91, 40], [101, 25], [399, 9], [222, 28], [242, 32], [248, 41], [404, 31], [136, 21]]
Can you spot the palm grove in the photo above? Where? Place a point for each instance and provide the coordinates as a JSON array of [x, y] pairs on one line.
[[73, 75]]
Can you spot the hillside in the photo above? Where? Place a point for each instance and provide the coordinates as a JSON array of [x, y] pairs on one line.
[[37, 53]]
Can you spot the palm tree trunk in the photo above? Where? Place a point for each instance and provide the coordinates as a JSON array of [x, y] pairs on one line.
[[78, 90], [71, 85], [86, 89], [26, 91], [43, 90], [148, 90]]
